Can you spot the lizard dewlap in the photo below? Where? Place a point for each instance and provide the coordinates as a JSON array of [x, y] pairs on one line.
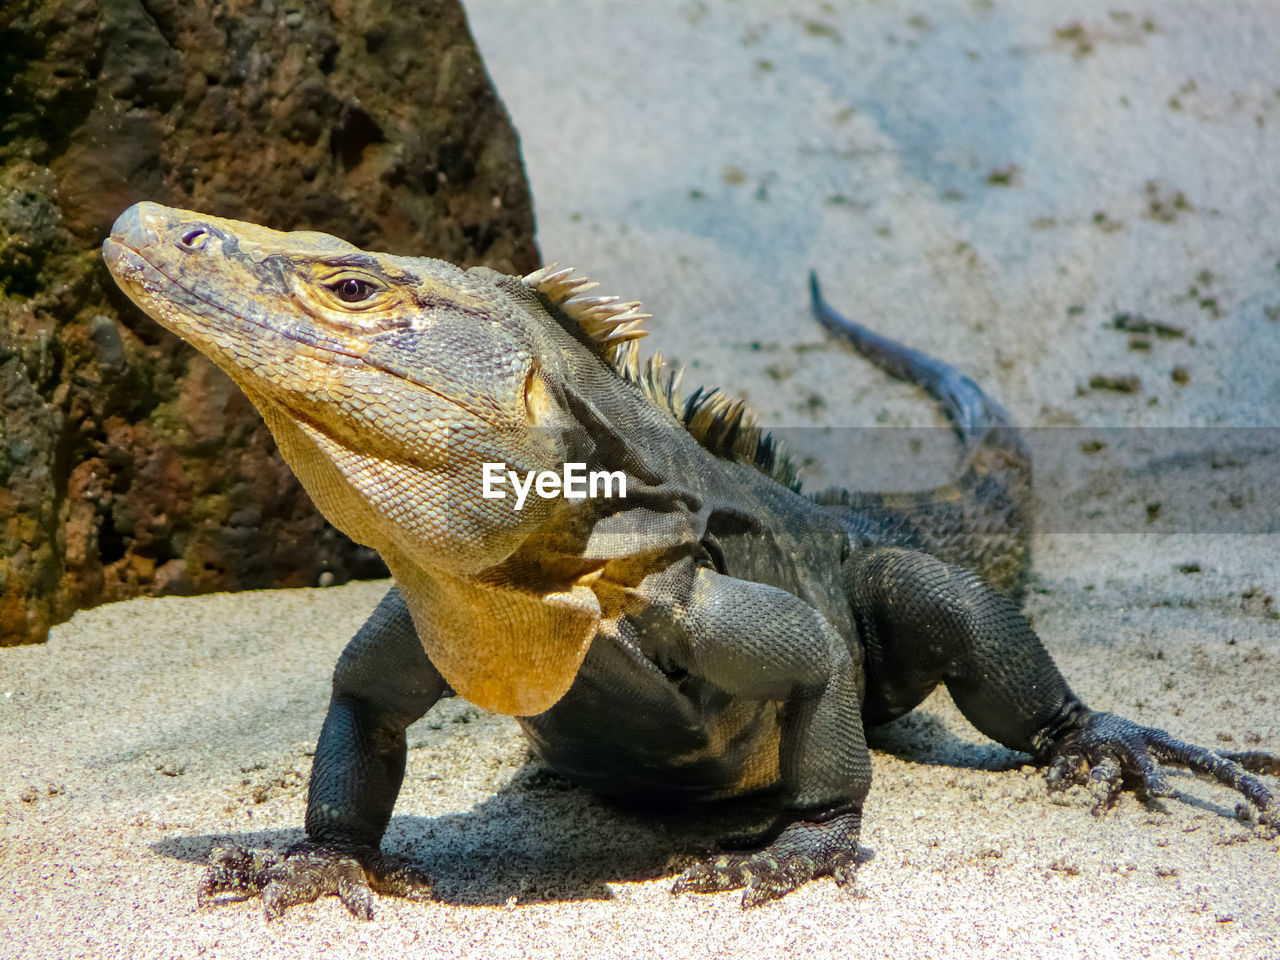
[[711, 633]]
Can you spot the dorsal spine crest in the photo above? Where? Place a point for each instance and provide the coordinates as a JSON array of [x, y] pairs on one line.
[[722, 425]]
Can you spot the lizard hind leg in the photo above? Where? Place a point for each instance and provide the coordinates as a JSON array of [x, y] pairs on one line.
[[800, 852]]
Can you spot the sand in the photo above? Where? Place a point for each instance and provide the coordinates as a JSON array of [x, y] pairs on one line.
[[993, 183]]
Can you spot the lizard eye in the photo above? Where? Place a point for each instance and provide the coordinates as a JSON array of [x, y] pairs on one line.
[[352, 290]]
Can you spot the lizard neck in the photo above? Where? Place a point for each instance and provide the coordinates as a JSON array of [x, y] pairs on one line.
[[512, 651]]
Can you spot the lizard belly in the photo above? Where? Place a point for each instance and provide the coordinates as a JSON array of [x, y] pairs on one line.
[[627, 730]]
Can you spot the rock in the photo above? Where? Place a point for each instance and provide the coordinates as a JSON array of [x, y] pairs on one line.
[[129, 465]]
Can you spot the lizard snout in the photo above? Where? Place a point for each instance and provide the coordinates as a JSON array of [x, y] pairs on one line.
[[148, 226], [137, 227]]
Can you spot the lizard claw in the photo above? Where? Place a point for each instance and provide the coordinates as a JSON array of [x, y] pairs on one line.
[[1106, 781], [1103, 749], [803, 850], [309, 870]]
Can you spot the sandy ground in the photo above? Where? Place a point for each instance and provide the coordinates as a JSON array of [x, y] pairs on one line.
[[992, 182]]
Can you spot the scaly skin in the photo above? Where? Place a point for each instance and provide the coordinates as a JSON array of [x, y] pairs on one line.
[[745, 633]]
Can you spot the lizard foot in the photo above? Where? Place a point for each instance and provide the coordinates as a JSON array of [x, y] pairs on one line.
[[803, 850], [1104, 748], [306, 872]]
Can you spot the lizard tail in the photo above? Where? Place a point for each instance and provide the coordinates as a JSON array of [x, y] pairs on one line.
[[982, 519]]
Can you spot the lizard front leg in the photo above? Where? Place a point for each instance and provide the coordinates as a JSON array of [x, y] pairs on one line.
[[924, 622], [383, 682], [759, 642]]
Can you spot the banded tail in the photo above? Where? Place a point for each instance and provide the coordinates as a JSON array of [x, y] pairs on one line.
[[982, 519]]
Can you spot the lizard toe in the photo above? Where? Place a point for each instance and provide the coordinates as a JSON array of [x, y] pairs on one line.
[[803, 850], [234, 873], [1255, 761], [771, 879], [1066, 769], [724, 872], [394, 877], [1106, 780]]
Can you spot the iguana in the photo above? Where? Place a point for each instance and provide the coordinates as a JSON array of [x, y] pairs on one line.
[[713, 633]]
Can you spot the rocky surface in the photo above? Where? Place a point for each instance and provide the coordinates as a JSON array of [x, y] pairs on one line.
[[128, 464]]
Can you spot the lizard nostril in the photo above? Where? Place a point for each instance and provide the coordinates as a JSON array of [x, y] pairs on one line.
[[194, 239]]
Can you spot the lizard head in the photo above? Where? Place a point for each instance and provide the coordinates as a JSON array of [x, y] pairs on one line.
[[391, 382], [387, 381]]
